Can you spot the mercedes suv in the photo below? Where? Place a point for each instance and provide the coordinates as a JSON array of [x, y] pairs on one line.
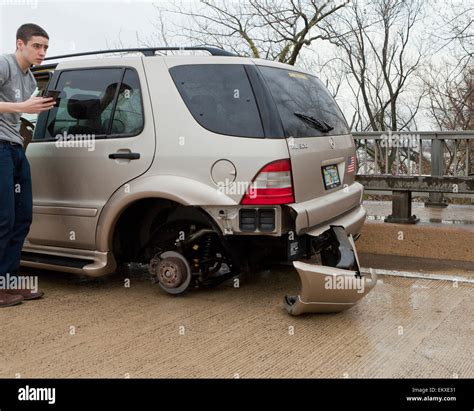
[[202, 167]]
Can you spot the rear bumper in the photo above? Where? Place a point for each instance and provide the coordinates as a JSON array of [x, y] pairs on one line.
[[320, 292], [318, 214], [352, 221], [302, 218], [331, 288]]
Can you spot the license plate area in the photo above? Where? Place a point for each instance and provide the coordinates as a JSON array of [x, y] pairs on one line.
[[331, 177]]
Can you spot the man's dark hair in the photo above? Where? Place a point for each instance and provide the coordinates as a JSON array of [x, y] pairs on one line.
[[27, 31]]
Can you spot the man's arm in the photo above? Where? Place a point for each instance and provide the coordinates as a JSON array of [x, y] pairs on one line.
[[33, 105], [10, 107]]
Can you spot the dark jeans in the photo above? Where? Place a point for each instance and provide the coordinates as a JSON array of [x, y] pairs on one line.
[[16, 205]]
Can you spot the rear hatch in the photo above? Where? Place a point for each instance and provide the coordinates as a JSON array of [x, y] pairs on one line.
[[322, 150]]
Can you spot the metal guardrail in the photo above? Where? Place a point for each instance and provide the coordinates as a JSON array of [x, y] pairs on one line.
[[426, 184], [376, 148], [404, 162]]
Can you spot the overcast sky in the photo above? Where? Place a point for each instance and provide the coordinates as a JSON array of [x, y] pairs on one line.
[[86, 25], [75, 26]]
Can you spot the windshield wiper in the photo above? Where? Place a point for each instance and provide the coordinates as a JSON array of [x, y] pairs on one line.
[[315, 123]]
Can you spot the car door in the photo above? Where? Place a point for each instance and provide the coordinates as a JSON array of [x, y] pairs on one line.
[[98, 138]]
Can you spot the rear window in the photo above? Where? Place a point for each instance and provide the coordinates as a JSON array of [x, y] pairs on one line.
[[306, 95], [220, 98]]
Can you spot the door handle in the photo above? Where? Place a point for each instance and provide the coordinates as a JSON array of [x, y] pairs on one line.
[[126, 156]]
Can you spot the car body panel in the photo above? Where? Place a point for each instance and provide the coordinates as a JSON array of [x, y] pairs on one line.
[[71, 186], [85, 193], [327, 289]]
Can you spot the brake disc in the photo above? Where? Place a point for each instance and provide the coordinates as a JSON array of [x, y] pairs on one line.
[[172, 272]]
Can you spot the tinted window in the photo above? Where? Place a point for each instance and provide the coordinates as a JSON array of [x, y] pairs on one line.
[[220, 98], [295, 92], [88, 100], [128, 115]]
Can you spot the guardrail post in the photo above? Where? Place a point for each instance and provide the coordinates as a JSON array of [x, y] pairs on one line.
[[437, 170], [401, 209]]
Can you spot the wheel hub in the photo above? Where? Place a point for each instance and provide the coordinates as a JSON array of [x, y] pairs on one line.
[[171, 271]]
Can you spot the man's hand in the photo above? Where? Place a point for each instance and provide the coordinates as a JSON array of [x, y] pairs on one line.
[[35, 105]]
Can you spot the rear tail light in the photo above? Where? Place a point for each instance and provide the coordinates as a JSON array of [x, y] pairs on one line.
[[272, 185]]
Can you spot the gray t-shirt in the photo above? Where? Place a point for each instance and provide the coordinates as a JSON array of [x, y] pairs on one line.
[[15, 87]]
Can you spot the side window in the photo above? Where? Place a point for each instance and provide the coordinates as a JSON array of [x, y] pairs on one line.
[[220, 98], [88, 101], [85, 96], [128, 115]]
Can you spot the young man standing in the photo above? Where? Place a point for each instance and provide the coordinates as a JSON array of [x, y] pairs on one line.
[[17, 84]]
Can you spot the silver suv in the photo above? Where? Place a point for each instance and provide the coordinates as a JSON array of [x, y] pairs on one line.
[[202, 167]]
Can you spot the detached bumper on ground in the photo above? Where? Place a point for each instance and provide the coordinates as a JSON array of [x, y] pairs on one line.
[[337, 283]]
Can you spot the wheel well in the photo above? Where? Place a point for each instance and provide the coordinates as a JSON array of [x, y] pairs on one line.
[[136, 224]]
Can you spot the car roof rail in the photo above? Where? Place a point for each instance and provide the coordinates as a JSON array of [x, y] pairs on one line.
[[148, 51]]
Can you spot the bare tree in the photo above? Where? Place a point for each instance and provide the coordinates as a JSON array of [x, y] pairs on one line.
[[456, 29], [374, 45], [450, 96], [450, 106], [271, 29], [449, 80], [454, 87]]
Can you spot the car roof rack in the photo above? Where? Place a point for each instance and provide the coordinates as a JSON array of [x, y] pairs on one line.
[[149, 51]]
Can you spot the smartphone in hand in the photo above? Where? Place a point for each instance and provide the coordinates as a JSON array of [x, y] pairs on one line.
[[55, 95]]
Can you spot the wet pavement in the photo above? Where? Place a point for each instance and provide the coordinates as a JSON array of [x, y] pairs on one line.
[[418, 266], [417, 322], [406, 327]]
